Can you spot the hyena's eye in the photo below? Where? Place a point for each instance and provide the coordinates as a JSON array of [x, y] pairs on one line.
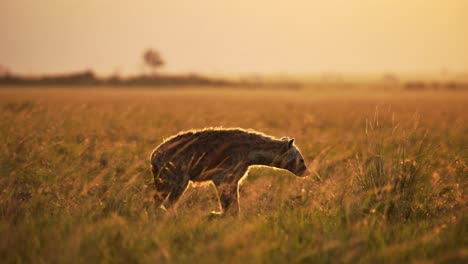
[[302, 160]]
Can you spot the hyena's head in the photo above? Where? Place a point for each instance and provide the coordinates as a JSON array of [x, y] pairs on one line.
[[292, 159]]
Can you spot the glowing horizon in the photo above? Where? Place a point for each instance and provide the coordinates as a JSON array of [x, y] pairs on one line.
[[261, 36]]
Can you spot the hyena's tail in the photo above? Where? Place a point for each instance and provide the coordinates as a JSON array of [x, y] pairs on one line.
[[154, 166], [154, 170]]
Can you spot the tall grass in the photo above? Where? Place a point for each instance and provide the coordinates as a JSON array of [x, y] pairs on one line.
[[388, 183]]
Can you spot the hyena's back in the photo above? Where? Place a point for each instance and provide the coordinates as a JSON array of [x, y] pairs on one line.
[[203, 153]]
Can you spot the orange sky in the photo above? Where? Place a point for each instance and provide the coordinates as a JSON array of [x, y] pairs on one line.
[[212, 36]]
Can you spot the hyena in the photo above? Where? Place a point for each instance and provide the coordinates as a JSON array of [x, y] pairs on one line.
[[222, 156]]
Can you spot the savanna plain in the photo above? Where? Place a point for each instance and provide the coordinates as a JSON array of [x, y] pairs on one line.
[[388, 184]]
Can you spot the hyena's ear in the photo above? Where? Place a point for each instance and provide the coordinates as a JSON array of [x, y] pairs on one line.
[[284, 138], [290, 143]]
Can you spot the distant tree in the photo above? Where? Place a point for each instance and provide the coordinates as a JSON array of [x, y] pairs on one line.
[[390, 78], [152, 59]]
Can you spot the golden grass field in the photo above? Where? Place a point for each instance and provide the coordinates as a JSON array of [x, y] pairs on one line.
[[388, 186]]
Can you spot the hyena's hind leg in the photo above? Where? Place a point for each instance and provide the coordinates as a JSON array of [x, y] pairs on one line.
[[163, 189], [177, 190], [170, 188]]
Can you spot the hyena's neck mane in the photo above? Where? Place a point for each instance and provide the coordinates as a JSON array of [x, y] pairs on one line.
[[262, 149], [266, 154]]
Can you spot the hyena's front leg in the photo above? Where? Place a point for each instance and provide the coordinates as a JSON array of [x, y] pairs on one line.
[[228, 197], [228, 190]]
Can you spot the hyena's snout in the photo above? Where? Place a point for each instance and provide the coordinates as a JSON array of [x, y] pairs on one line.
[[303, 171], [300, 168]]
